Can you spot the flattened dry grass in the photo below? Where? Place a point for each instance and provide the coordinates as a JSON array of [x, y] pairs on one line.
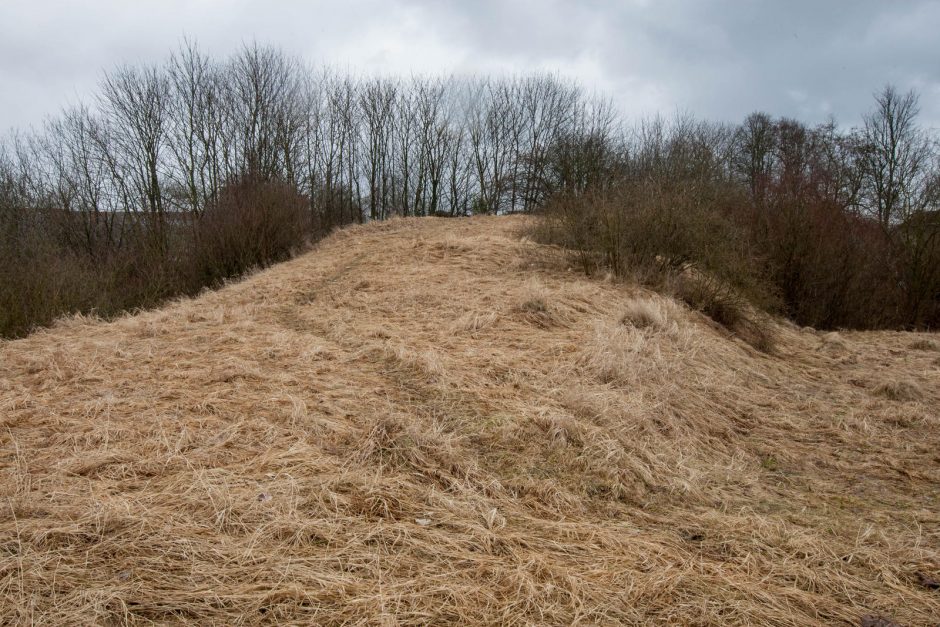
[[899, 391], [432, 421], [924, 344]]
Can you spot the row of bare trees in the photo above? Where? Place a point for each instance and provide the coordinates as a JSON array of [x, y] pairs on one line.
[[133, 178], [159, 142]]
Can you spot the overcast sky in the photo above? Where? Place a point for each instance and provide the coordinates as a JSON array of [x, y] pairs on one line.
[[718, 59]]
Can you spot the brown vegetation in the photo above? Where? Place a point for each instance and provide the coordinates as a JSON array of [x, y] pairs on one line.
[[925, 345], [899, 391], [189, 172], [384, 430], [251, 224], [831, 229]]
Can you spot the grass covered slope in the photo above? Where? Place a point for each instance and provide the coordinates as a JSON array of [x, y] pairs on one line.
[[427, 421]]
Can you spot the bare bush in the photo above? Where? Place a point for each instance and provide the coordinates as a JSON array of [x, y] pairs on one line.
[[727, 306], [254, 222], [788, 218]]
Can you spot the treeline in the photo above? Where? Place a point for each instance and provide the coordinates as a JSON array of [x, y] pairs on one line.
[[832, 228], [179, 175]]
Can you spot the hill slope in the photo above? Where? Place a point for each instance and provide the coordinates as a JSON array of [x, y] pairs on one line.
[[435, 421]]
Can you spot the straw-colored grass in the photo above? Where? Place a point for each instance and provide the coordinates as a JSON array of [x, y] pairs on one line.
[[644, 314], [900, 391], [432, 421], [925, 345]]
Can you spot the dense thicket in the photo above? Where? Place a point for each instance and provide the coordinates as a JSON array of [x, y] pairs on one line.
[[180, 175], [831, 228]]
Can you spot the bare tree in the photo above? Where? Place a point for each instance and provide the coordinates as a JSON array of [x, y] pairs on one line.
[[135, 104], [755, 141], [196, 126], [377, 104], [896, 158], [81, 176]]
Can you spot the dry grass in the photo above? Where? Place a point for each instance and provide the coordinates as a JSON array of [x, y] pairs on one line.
[[645, 314], [924, 345], [726, 306], [431, 421], [834, 339], [900, 391]]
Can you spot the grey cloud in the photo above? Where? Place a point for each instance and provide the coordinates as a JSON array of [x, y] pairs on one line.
[[716, 58]]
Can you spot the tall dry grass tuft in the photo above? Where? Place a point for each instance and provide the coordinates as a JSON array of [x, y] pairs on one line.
[[924, 345], [645, 314], [899, 391]]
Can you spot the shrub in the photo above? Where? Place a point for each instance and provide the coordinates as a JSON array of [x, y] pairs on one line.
[[726, 306], [826, 265], [333, 208], [670, 235], [775, 211], [45, 274], [253, 222]]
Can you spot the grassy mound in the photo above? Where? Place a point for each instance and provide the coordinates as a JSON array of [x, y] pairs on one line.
[[431, 421]]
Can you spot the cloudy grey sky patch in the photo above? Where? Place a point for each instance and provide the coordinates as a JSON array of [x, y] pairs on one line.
[[720, 59]]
